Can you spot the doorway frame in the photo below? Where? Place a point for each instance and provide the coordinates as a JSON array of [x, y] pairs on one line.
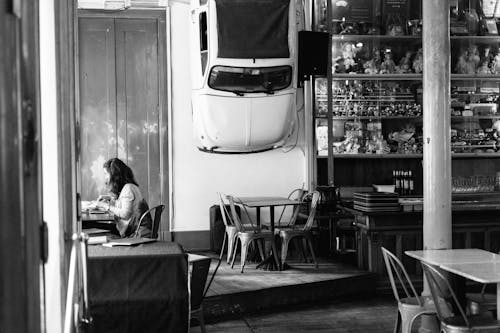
[[161, 16]]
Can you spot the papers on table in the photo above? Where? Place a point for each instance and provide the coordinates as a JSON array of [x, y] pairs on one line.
[[128, 241]]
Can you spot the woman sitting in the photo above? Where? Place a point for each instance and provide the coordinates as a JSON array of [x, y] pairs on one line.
[[125, 202]]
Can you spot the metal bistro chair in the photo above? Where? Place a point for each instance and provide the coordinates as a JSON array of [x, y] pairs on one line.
[[247, 236], [304, 231], [158, 210], [411, 305], [441, 289], [199, 272], [231, 233], [230, 230], [297, 194]]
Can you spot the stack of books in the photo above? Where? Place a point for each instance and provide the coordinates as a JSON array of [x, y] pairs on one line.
[[376, 202], [97, 236]]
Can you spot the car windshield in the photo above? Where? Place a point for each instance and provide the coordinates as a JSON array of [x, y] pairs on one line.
[[242, 80]]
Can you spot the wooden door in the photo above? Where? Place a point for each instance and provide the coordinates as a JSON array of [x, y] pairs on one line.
[[20, 175], [138, 126], [122, 102], [97, 90]]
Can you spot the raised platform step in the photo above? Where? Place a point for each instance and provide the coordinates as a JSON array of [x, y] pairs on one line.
[[233, 293]]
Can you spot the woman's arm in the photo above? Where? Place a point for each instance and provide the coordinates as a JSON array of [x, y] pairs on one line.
[[123, 207]]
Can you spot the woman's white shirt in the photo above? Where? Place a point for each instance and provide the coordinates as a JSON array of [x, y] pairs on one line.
[[125, 206]]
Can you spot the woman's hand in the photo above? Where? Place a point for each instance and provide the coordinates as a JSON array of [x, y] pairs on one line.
[[102, 205], [104, 198]]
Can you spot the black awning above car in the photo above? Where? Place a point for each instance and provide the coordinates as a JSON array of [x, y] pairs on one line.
[[252, 28]]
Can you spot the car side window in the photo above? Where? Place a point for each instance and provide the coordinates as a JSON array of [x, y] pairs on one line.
[[203, 41]]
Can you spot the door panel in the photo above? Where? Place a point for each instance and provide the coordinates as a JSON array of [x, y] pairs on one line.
[[97, 102], [138, 102]]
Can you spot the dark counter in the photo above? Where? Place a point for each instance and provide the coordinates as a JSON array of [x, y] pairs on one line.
[[473, 226]]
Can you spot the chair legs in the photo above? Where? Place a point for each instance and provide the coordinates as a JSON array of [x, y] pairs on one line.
[[245, 242], [397, 326], [198, 314], [231, 241], [309, 241], [261, 246], [222, 248], [285, 240], [244, 249], [275, 254], [406, 322], [284, 249], [202, 321]]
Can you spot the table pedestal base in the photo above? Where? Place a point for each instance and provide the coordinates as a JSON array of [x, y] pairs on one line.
[[269, 264]]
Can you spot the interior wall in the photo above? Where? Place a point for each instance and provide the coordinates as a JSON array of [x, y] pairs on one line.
[[198, 176], [50, 167]]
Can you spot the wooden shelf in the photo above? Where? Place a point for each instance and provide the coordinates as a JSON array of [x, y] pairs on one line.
[[462, 118], [477, 39], [386, 38], [378, 77], [410, 77], [368, 117], [475, 155], [366, 156], [409, 156], [382, 38], [474, 77]]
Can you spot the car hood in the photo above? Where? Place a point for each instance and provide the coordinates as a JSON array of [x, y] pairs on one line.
[[244, 123]]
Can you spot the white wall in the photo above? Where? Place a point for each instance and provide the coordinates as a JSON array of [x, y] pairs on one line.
[[50, 167], [197, 176]]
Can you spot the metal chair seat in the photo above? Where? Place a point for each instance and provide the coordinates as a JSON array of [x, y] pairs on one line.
[[480, 302], [481, 322]]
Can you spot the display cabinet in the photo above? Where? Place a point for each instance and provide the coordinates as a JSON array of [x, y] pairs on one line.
[[371, 102]]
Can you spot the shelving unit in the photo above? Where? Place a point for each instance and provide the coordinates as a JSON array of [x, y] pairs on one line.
[[373, 119]]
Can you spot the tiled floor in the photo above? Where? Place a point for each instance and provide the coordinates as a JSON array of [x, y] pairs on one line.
[[374, 315]]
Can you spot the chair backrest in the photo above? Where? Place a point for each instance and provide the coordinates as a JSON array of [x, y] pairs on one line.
[[234, 215], [314, 195], [155, 223], [296, 194], [199, 273], [157, 220], [442, 293], [226, 218], [395, 267]]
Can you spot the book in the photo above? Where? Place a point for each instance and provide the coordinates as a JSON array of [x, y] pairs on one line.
[[93, 240], [129, 241], [95, 231]]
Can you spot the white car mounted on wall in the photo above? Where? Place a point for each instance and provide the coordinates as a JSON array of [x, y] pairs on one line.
[[243, 71]]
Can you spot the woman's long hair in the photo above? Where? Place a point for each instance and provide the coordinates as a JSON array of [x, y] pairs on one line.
[[119, 175]]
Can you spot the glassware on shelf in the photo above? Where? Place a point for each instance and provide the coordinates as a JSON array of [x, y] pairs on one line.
[[473, 184]]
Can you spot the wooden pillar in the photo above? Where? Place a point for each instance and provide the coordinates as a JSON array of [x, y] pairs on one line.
[[436, 133]]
